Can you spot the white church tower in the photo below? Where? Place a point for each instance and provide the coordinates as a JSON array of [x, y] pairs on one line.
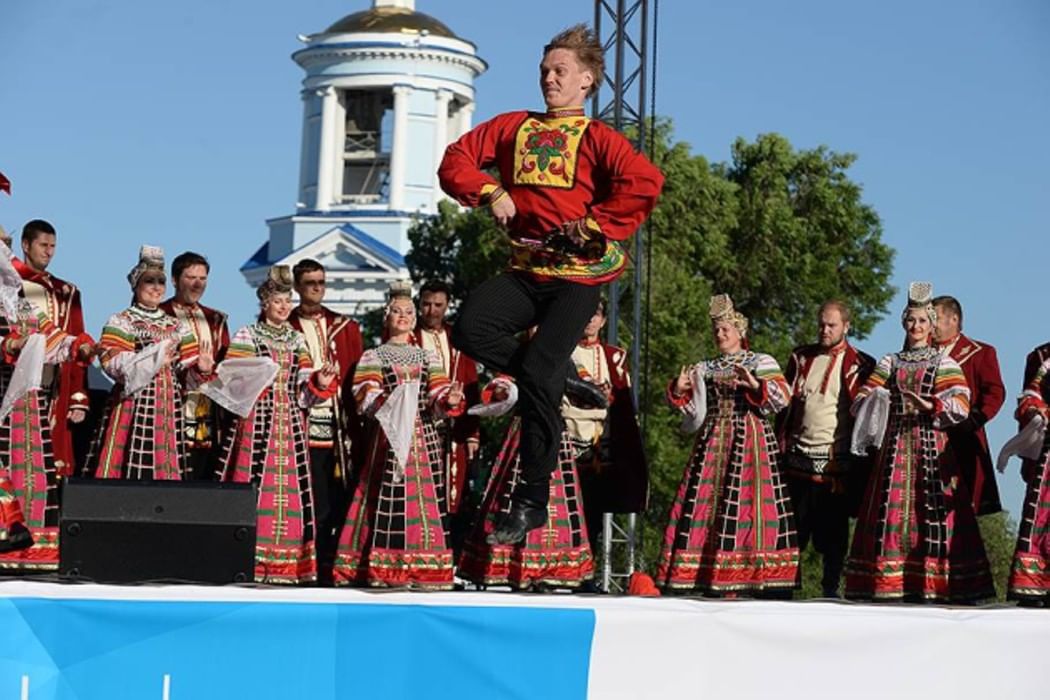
[[386, 90]]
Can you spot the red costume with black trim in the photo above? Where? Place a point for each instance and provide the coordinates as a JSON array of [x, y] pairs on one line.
[[854, 370], [1032, 363], [60, 300], [341, 337], [560, 168], [216, 320], [201, 423], [619, 482], [458, 431], [968, 440]]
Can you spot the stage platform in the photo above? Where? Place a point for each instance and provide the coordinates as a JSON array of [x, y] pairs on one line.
[[91, 642]]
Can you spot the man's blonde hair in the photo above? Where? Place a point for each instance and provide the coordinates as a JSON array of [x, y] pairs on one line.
[[583, 41]]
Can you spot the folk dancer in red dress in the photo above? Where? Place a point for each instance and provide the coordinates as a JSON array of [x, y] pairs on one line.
[[66, 383], [815, 433], [569, 191], [334, 426], [14, 534], [268, 444], [152, 358], [916, 537], [395, 533], [968, 440], [32, 345], [1029, 581], [200, 418], [731, 528], [557, 554]]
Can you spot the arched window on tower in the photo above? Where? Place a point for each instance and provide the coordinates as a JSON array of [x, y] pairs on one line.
[[366, 146]]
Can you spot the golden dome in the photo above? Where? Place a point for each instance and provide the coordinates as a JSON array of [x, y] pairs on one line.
[[395, 20]]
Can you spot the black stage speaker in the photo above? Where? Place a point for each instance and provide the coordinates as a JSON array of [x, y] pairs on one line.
[[116, 531]]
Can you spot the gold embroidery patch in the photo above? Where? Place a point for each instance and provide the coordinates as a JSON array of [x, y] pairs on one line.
[[545, 151]]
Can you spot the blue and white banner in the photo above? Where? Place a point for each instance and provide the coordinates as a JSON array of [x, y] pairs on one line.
[[194, 643]]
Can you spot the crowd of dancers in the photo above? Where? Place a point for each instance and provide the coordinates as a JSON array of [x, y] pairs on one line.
[[368, 463]]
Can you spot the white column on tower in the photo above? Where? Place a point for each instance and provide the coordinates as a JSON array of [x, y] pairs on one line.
[[326, 150], [442, 99], [399, 147], [304, 171], [466, 116], [339, 146]]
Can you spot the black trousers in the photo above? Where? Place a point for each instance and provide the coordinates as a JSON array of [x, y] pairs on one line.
[[326, 492], [823, 515], [492, 316], [202, 464]]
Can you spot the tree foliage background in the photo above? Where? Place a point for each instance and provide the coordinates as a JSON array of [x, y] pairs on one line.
[[778, 228]]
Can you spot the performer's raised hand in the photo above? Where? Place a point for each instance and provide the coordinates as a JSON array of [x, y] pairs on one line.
[[685, 380], [325, 375], [455, 395], [744, 378], [205, 360], [87, 352], [172, 356], [503, 210]]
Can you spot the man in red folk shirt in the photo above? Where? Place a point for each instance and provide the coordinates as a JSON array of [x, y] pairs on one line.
[[570, 190], [967, 439], [66, 383]]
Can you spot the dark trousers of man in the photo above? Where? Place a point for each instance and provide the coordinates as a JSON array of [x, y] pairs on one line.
[[494, 313], [327, 494], [201, 464], [822, 513]]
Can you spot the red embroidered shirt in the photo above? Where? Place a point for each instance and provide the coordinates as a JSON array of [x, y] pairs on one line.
[[558, 167]]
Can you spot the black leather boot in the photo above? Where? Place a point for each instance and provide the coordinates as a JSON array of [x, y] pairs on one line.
[[18, 537], [524, 515]]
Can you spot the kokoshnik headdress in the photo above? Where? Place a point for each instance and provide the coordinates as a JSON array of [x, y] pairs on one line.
[[150, 258], [920, 296], [278, 281], [399, 289], [722, 310]]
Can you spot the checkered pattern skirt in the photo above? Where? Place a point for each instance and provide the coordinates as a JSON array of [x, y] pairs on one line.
[[396, 533], [270, 449], [25, 450], [556, 554], [731, 526], [1030, 571], [140, 436], [916, 536]]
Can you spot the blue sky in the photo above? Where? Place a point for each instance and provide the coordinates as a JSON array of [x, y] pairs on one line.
[[178, 124]]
